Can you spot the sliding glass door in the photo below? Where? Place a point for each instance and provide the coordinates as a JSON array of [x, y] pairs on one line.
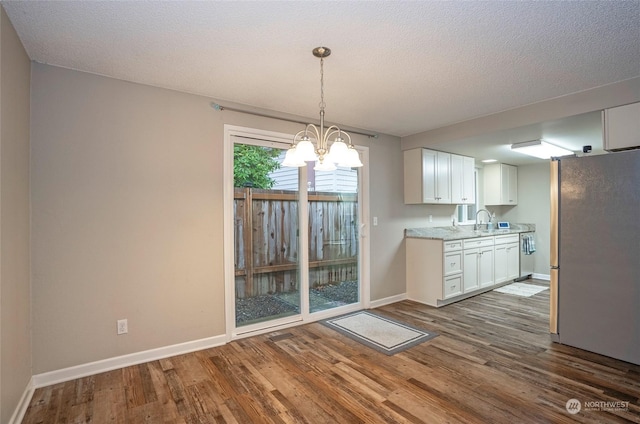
[[296, 238], [266, 212], [333, 239]]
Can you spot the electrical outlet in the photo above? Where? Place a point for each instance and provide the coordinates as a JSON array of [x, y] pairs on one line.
[[430, 218], [123, 326]]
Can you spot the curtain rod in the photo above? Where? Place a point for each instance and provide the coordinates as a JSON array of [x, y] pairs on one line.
[[216, 106]]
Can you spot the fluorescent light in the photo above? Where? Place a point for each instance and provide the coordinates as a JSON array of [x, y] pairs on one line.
[[489, 160], [540, 149]]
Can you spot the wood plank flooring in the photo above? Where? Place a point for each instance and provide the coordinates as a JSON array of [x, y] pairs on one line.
[[493, 362]]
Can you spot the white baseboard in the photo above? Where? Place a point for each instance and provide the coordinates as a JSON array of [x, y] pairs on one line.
[[545, 277], [91, 368], [387, 300], [23, 404]]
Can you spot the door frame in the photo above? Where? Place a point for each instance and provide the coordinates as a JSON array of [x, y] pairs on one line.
[[280, 140]]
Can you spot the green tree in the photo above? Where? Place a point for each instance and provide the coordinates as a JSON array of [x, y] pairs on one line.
[[252, 165]]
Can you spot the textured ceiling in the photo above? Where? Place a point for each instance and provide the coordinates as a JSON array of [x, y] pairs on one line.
[[397, 67]]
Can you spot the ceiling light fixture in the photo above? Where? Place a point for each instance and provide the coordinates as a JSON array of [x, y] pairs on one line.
[[489, 160], [540, 149], [302, 149]]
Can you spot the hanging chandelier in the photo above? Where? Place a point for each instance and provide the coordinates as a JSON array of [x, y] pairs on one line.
[[340, 152]]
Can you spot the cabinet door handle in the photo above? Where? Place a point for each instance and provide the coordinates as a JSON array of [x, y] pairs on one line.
[[452, 264]]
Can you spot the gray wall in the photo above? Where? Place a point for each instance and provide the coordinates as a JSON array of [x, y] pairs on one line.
[[127, 214], [599, 98], [534, 207], [15, 306]]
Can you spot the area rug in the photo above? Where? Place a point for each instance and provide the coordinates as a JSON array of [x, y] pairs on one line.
[[380, 333], [521, 289]]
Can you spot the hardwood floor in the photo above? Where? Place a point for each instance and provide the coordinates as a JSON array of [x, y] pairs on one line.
[[493, 362]]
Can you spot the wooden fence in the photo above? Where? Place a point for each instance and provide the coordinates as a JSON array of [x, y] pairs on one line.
[[266, 240]]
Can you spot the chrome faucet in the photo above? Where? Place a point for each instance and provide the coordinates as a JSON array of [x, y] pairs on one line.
[[476, 226]]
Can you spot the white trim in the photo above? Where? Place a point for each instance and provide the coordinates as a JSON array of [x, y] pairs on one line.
[[271, 325], [91, 368], [227, 237], [303, 240], [365, 245], [312, 317], [537, 276], [23, 404], [264, 330], [273, 139], [388, 300], [334, 312]]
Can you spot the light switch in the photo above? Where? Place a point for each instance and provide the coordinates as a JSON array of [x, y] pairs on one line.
[[375, 221]]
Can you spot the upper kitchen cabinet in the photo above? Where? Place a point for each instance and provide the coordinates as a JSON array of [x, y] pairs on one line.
[[500, 184], [462, 180], [427, 176], [621, 127]]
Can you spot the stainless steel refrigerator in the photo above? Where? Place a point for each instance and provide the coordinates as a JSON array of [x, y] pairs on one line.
[[595, 253]]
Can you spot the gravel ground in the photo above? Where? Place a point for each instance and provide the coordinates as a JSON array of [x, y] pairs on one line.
[[346, 292], [253, 309]]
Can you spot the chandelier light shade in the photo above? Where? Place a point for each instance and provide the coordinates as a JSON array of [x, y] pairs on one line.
[[326, 153], [540, 149]]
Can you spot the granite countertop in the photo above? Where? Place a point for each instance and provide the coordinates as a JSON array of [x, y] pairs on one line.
[[463, 232]]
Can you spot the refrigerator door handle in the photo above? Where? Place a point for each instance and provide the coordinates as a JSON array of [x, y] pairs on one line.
[[555, 209], [554, 247], [553, 302]]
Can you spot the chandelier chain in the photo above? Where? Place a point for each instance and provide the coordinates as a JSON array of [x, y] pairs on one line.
[[302, 150]]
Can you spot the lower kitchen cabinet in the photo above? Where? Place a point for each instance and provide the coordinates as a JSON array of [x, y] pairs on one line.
[[434, 270], [478, 263], [507, 258], [470, 273], [513, 261], [452, 286], [439, 272]]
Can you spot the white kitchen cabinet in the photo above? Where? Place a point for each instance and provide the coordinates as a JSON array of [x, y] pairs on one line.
[[470, 273], [621, 127], [452, 266], [500, 265], [485, 267], [427, 176], [468, 180], [500, 184], [477, 263], [462, 180], [452, 286], [441, 272], [506, 258], [452, 263], [513, 261], [433, 269]]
